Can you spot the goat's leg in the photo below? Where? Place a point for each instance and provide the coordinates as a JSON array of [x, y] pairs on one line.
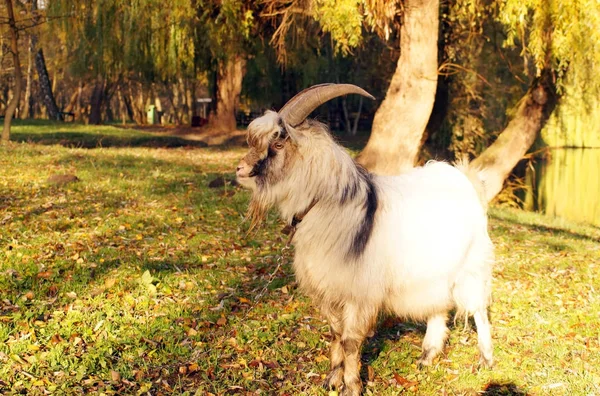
[[358, 323], [434, 340], [484, 338], [335, 377]]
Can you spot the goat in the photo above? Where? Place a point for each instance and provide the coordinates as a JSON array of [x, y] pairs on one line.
[[414, 245]]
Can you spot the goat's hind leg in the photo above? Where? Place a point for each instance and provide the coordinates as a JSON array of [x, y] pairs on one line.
[[335, 377], [434, 340], [484, 338]]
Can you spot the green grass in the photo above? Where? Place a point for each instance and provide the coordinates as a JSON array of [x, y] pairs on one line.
[[141, 278]]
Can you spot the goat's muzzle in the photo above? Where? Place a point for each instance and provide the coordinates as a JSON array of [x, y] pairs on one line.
[[244, 174]]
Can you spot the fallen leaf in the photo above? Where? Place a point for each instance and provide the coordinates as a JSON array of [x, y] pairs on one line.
[[403, 381], [192, 331], [115, 376], [109, 282], [222, 321]]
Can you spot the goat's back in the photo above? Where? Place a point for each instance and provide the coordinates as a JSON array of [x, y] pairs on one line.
[[430, 221]]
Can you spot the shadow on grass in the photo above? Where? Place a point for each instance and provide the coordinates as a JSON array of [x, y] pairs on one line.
[[556, 231], [91, 141], [502, 389]]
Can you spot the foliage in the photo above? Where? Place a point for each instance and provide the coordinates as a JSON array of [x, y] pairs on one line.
[[229, 26], [340, 19], [139, 278], [560, 35], [115, 37]]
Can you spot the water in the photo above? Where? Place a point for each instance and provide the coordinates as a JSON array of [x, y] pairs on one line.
[[566, 183]]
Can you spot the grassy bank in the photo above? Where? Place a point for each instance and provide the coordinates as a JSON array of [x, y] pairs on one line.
[[139, 277]]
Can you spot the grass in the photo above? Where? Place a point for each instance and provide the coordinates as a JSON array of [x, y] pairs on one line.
[[140, 278]]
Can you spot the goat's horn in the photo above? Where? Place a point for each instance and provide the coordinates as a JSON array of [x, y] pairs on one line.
[[300, 106]]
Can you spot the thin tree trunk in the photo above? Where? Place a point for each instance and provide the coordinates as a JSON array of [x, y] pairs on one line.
[[502, 156], [229, 87], [46, 87], [171, 96], [74, 99], [346, 116], [14, 48], [96, 102], [27, 113], [127, 104], [357, 118], [401, 119]]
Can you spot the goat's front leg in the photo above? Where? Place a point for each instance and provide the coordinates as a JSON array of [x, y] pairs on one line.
[[358, 323], [336, 375]]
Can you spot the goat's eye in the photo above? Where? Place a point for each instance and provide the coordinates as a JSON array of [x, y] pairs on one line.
[[278, 145]]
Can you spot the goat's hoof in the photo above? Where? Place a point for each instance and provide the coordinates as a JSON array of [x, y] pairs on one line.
[[487, 362], [334, 379], [426, 358], [354, 389]]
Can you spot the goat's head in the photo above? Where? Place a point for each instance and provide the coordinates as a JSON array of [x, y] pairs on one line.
[[280, 143]]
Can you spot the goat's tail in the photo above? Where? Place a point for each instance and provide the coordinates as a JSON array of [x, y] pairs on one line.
[[477, 178]]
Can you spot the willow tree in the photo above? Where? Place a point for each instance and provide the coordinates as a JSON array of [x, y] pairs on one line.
[[114, 40], [559, 48], [560, 45], [227, 29]]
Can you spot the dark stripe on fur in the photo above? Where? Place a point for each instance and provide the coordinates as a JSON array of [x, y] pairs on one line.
[[349, 192], [365, 229]]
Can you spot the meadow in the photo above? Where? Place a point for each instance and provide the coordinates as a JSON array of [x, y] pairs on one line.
[[140, 277]]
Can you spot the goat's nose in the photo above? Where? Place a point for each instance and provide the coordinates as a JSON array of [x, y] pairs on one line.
[[239, 168]]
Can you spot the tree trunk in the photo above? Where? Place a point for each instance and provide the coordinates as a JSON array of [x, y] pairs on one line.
[[14, 48], [401, 119], [46, 87], [27, 111], [357, 118], [75, 97], [498, 160], [229, 85], [96, 102]]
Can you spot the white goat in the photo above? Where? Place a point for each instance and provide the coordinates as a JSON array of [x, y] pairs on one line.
[[414, 245]]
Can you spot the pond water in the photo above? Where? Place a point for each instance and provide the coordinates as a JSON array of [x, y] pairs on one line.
[[566, 183]]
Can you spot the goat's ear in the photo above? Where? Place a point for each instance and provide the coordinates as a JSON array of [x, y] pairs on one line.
[[295, 136]]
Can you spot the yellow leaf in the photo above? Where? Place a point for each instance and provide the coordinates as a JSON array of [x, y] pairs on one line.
[[115, 376], [321, 358]]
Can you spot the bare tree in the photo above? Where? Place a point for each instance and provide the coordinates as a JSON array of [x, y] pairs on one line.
[[14, 49]]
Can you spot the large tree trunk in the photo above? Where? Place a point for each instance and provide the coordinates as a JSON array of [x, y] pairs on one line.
[[46, 87], [14, 48], [498, 160], [229, 85], [401, 119]]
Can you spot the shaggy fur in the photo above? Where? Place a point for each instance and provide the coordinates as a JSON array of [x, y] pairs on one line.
[[414, 245]]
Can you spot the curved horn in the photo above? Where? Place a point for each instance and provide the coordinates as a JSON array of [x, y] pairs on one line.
[[300, 106]]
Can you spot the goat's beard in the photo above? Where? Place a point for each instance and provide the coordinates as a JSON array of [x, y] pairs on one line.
[[257, 211]]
